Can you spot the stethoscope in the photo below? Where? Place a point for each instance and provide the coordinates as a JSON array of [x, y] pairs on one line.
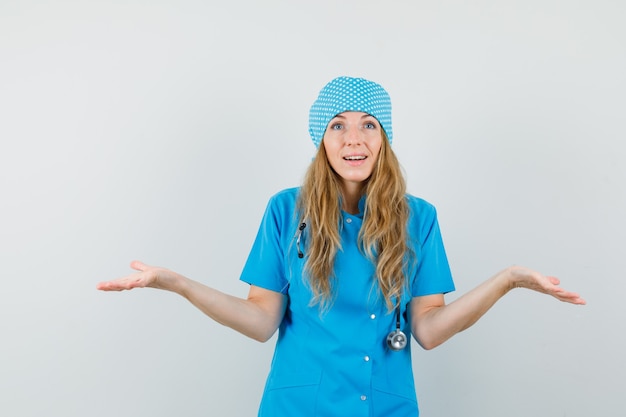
[[396, 339]]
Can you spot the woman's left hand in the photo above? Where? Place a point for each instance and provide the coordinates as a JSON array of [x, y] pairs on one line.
[[521, 277]]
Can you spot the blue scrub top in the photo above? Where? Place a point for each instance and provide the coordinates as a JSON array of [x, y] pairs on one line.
[[337, 363]]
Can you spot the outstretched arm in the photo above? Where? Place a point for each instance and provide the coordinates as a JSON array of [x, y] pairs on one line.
[[433, 322], [257, 317]]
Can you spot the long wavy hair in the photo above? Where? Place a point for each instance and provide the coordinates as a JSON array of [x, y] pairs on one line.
[[383, 235]]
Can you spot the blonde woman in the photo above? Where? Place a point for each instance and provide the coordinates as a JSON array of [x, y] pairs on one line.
[[345, 267]]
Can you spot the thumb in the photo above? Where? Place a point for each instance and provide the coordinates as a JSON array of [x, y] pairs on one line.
[[554, 280], [138, 266]]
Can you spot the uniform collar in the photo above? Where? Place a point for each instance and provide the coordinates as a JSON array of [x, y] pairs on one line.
[[361, 208]]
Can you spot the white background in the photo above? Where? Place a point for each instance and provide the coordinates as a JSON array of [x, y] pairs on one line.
[[157, 130]]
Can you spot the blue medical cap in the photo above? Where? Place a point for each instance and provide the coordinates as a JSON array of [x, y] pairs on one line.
[[349, 94]]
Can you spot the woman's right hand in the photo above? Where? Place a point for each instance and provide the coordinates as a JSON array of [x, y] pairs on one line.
[[147, 276]]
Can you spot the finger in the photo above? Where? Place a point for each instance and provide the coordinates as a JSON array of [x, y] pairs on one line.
[[108, 286], [574, 300], [554, 280], [570, 297], [138, 266], [102, 286], [126, 283]]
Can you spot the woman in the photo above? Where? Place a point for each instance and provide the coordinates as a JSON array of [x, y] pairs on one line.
[[344, 267]]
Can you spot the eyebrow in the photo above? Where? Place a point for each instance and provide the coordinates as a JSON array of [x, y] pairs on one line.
[[362, 117]]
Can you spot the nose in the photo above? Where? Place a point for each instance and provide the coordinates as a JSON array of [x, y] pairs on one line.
[[353, 135]]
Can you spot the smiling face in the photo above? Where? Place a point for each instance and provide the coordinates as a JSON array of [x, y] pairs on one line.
[[352, 142]]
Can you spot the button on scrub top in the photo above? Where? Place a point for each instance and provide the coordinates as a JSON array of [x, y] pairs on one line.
[[337, 363]]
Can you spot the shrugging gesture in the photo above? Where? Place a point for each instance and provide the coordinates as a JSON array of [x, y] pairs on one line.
[[342, 265]]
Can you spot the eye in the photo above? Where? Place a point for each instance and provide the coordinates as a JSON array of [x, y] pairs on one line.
[[369, 125], [336, 126]]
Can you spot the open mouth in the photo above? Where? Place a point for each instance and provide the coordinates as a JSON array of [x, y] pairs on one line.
[[355, 158]]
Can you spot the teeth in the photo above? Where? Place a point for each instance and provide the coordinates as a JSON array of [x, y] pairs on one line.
[[354, 158]]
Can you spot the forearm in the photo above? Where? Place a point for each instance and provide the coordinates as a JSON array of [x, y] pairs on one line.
[[247, 316], [434, 326], [433, 322], [258, 316]]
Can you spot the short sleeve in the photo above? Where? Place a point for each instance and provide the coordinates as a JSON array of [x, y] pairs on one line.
[[432, 274], [265, 266]]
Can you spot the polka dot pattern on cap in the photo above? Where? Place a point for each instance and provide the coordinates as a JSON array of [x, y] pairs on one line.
[[349, 94]]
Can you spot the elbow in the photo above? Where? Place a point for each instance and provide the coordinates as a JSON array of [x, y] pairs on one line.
[[261, 336], [427, 340], [427, 343]]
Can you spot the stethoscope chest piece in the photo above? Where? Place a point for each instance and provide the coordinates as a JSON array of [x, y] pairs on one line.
[[397, 340]]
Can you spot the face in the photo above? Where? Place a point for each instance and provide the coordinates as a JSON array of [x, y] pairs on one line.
[[352, 142]]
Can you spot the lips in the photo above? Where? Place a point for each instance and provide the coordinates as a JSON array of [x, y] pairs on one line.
[[354, 157], [355, 160]]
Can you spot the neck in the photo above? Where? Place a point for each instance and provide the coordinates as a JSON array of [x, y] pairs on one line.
[[351, 196]]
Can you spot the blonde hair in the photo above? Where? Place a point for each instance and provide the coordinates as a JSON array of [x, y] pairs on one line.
[[383, 235]]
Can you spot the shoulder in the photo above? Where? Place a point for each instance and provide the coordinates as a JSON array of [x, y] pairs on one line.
[[284, 201], [420, 207], [287, 193], [286, 197], [422, 217]]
